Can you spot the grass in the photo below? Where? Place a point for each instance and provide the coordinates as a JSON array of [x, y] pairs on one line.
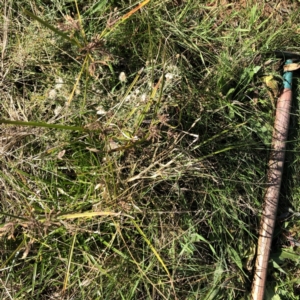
[[156, 193]]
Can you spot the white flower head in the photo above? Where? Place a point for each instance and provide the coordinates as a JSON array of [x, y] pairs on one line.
[[169, 76], [122, 77], [127, 98], [57, 110], [59, 83], [52, 94], [101, 110], [143, 97], [130, 98]]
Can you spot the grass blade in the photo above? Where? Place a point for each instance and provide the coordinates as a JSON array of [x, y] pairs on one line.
[[66, 280]]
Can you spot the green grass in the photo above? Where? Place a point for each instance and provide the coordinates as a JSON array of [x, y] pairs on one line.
[[174, 162]]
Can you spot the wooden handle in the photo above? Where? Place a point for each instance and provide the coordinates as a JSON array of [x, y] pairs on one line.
[[268, 219]]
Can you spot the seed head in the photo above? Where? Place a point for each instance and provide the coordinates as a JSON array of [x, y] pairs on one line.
[[122, 77]]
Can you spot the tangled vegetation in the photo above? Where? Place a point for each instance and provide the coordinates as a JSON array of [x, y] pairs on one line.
[[134, 162]]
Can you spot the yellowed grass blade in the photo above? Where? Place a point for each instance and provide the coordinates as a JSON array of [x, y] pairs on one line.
[[91, 214], [66, 280], [138, 7], [106, 31], [151, 247], [77, 80]]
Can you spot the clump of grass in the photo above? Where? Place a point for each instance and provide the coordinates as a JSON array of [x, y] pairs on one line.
[[173, 159]]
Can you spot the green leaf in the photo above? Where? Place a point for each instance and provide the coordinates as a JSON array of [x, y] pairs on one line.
[[276, 266], [288, 253], [264, 129], [256, 69], [235, 257]]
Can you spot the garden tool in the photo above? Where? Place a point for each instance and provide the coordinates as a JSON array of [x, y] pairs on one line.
[[276, 163]]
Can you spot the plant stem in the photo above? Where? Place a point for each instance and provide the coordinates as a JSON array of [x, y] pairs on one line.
[[39, 124]]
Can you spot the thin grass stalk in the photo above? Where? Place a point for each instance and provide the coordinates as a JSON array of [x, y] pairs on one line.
[[276, 163], [40, 124], [67, 275]]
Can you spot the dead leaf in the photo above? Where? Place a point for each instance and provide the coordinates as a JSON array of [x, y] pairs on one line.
[[61, 154], [7, 229], [27, 249], [291, 67], [69, 24], [93, 150]]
